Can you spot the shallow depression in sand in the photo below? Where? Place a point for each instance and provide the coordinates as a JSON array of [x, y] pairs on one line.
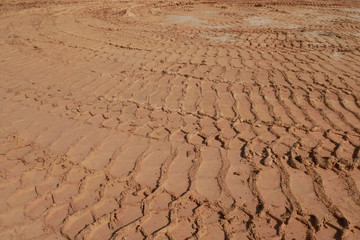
[[225, 38], [266, 22], [184, 19], [179, 19]]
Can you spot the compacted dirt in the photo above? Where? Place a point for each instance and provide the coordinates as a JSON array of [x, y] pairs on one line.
[[179, 120]]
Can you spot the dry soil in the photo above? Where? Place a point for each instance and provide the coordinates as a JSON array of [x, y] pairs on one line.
[[179, 120]]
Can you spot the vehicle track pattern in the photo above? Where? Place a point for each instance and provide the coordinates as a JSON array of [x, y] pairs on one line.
[[183, 120]]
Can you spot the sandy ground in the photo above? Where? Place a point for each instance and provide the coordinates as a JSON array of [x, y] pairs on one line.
[[179, 120]]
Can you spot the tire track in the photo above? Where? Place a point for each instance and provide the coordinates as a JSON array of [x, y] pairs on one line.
[[179, 120]]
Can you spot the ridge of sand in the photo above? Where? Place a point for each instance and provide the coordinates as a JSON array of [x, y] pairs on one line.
[[179, 120]]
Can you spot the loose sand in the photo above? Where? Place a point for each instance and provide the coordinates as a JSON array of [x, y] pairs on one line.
[[179, 120]]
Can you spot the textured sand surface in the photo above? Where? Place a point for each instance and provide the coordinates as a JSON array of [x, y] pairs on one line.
[[179, 120]]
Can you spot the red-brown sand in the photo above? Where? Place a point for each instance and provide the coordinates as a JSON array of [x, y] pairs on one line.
[[179, 119]]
